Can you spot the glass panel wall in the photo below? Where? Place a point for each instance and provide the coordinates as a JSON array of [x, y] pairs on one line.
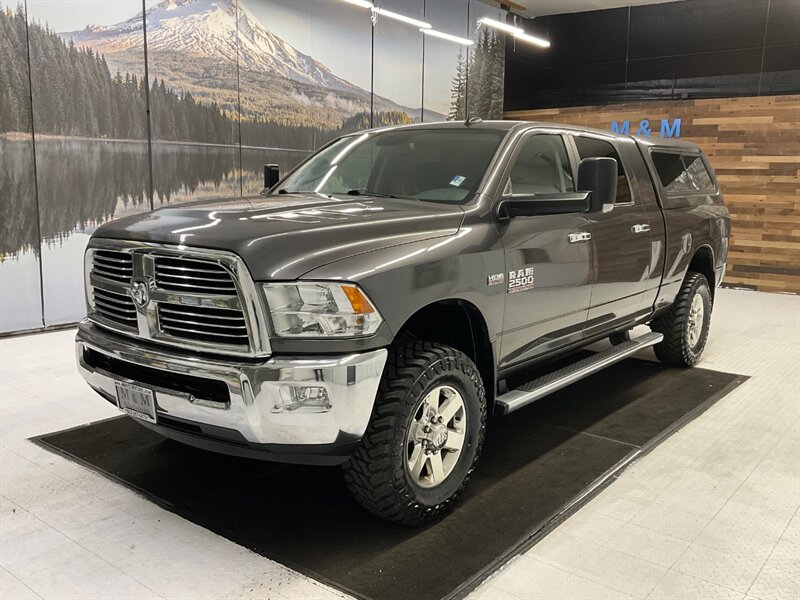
[[89, 112], [230, 85], [20, 294]]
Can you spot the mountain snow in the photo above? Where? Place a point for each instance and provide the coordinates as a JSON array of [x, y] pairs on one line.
[[208, 29]]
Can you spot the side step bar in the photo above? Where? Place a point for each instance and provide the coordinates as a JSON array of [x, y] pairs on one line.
[[547, 384]]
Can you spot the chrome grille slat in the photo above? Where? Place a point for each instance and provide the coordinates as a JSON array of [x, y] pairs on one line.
[[116, 312], [220, 325], [117, 270], [206, 289], [192, 275], [112, 298], [114, 307], [107, 304], [171, 322], [205, 332], [192, 269], [169, 310], [107, 259], [193, 278], [114, 265]]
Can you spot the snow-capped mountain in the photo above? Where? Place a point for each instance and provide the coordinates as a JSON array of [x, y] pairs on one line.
[[208, 28]]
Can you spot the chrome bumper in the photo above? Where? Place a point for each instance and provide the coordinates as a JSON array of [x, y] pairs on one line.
[[288, 402]]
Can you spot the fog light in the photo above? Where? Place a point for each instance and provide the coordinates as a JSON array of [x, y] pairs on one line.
[[302, 398]]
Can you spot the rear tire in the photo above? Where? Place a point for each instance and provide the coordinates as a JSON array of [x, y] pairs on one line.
[[685, 325], [424, 436]]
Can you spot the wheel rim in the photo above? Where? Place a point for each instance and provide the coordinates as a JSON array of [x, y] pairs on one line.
[[695, 325], [436, 436]]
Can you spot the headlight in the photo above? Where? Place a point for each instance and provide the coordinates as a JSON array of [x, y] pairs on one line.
[[307, 309]]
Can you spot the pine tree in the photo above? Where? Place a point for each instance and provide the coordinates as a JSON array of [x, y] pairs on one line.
[[458, 93]]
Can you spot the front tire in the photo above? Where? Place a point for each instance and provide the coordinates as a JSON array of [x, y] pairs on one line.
[[685, 325], [424, 436]]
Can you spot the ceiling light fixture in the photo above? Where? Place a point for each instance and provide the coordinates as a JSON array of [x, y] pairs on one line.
[[532, 39], [377, 10], [500, 25], [360, 3], [517, 32], [448, 37], [399, 17]]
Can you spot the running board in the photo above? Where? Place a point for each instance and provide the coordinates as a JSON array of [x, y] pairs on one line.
[[547, 384]]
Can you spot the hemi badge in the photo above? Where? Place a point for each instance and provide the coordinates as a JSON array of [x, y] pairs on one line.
[[496, 279]]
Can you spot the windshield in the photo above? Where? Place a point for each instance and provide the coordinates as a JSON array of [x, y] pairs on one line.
[[425, 164]]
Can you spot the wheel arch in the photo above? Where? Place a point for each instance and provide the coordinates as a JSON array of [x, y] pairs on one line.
[[703, 262], [461, 325]]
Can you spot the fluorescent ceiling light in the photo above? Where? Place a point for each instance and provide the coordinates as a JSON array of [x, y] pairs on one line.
[[388, 13], [447, 36], [361, 3], [533, 39], [403, 18], [517, 32], [501, 25]]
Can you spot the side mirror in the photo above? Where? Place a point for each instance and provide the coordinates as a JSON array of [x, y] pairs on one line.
[[598, 175], [272, 175], [531, 205]]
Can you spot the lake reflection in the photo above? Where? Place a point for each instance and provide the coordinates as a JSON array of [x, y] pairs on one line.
[[85, 183]]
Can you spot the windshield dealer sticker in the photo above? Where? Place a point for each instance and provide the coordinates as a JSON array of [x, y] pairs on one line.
[[457, 180], [520, 280]]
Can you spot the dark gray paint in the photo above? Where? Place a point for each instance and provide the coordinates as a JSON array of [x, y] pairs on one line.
[[408, 254]]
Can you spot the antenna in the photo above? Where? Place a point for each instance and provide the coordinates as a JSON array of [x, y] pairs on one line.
[[472, 121]]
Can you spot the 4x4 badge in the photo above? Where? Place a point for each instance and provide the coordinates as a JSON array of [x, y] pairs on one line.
[[496, 279]]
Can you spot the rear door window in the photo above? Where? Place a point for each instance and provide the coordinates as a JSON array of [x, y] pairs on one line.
[[682, 173], [698, 173]]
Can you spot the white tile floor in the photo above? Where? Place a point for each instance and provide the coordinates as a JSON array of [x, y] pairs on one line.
[[710, 513]]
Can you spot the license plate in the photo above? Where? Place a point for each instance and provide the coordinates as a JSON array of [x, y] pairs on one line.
[[137, 401]]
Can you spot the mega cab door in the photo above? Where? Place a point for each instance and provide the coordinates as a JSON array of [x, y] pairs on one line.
[[548, 257], [621, 243]]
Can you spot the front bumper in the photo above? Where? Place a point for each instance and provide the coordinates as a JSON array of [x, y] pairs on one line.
[[310, 410]]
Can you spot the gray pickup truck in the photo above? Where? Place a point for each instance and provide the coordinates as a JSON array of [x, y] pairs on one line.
[[373, 306]]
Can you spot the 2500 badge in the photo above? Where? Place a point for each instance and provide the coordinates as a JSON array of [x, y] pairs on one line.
[[520, 280]]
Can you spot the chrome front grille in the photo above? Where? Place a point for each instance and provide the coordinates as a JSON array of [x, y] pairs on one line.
[[180, 274], [114, 265], [115, 307], [198, 299], [203, 323]]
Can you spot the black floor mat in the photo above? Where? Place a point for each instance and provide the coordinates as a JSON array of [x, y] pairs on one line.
[[535, 463]]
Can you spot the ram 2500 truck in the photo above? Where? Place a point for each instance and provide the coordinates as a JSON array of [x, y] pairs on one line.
[[372, 307]]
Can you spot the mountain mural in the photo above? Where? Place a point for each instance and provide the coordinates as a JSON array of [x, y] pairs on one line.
[[195, 45]]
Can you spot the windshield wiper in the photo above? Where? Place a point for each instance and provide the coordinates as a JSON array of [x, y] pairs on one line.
[[366, 192]]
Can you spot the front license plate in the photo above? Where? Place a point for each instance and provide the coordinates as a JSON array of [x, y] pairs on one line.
[[137, 401]]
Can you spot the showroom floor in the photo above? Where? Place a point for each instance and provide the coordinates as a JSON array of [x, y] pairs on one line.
[[710, 513]]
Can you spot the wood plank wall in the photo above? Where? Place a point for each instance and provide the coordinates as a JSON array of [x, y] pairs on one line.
[[754, 146]]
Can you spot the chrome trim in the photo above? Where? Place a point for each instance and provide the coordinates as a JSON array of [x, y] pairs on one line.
[[246, 297], [260, 406], [583, 236], [547, 384]]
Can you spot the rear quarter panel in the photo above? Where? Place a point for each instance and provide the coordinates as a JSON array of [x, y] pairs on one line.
[[692, 221]]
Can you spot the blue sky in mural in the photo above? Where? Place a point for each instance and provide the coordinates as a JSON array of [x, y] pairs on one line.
[[72, 15]]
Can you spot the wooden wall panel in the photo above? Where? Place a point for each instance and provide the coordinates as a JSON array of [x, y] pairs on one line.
[[754, 146]]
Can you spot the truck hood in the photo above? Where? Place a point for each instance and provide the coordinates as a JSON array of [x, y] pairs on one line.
[[283, 237]]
